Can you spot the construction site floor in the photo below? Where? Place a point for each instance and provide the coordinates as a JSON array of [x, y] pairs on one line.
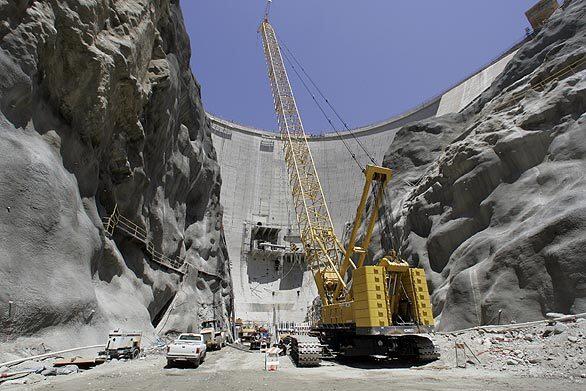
[[232, 369]]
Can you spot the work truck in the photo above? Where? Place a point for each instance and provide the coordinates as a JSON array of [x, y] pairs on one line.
[[122, 345], [188, 348], [213, 336]]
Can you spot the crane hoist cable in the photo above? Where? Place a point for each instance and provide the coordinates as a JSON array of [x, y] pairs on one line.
[[393, 239], [320, 92], [322, 111], [382, 220], [268, 9]]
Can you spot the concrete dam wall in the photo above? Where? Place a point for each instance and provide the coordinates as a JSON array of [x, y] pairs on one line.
[[271, 282]]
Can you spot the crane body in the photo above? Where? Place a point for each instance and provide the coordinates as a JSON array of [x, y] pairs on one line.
[[367, 308]]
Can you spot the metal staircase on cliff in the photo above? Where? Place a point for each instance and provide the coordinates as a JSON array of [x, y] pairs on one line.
[[139, 234]]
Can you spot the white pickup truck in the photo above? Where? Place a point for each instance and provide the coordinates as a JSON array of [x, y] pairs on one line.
[[188, 348]]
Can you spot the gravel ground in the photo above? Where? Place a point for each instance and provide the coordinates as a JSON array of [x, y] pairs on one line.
[[541, 357], [236, 370], [555, 351]]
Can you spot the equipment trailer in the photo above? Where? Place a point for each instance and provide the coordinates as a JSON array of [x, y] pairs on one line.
[[121, 345]]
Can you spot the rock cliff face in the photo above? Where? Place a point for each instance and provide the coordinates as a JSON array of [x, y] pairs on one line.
[[492, 201], [99, 110]]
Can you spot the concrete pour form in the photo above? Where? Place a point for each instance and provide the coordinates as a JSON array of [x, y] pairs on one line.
[[255, 191]]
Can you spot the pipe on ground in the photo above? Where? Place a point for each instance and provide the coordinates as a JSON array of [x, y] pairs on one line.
[[51, 354], [565, 318]]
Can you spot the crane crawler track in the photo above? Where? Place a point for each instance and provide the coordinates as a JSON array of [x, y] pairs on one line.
[[426, 350], [306, 351]]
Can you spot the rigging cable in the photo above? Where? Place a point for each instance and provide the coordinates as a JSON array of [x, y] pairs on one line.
[[327, 102], [323, 111]]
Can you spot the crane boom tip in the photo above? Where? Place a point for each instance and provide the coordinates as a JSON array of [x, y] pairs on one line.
[[268, 9]]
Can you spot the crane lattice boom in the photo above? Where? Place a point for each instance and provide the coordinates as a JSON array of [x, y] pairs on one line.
[[315, 224]]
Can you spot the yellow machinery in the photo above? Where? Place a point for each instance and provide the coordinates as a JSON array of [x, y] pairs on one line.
[[380, 309]]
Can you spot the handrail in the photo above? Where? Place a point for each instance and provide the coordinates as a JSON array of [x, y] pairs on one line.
[[540, 86], [116, 220], [568, 70]]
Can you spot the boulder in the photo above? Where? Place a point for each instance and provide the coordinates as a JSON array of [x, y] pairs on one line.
[[560, 328], [52, 371], [67, 370]]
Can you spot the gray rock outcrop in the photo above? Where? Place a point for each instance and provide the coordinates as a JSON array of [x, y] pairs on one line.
[[491, 202], [99, 110]]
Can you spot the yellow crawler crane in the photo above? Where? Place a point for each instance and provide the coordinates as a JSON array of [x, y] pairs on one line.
[[380, 309]]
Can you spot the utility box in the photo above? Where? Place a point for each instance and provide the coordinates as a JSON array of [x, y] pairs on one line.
[[540, 13]]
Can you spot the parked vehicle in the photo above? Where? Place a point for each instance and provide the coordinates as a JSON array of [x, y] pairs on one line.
[[221, 338], [188, 348], [122, 345], [214, 338], [259, 343], [248, 333]]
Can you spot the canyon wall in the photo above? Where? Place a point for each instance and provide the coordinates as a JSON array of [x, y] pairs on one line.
[[491, 201], [99, 112]]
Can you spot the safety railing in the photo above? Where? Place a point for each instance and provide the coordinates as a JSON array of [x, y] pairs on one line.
[[117, 221], [568, 70]]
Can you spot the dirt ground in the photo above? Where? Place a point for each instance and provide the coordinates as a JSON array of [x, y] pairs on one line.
[[542, 356], [232, 369]]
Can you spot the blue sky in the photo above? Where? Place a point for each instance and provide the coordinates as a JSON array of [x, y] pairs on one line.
[[372, 58]]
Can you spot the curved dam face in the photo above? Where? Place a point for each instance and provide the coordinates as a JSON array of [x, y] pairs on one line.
[[270, 280]]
